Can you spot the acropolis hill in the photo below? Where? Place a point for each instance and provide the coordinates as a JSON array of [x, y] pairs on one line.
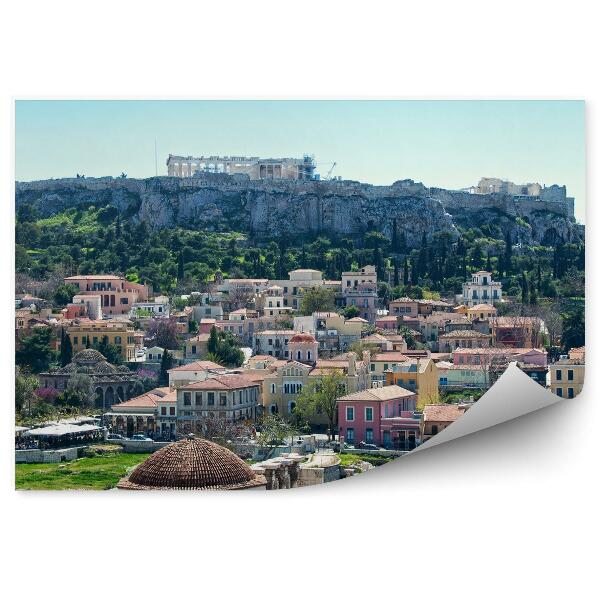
[[267, 208]]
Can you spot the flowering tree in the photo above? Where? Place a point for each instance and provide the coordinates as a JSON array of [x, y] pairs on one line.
[[164, 333]]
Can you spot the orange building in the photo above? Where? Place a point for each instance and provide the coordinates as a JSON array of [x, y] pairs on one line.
[[117, 294]]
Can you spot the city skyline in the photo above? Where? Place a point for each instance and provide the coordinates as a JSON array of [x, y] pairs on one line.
[[450, 144]]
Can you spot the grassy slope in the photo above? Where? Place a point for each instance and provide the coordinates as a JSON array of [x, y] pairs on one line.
[[98, 473]]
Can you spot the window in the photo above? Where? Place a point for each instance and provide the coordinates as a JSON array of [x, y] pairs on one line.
[[198, 398], [368, 413], [559, 392], [558, 375], [193, 349], [187, 398], [570, 393], [172, 410], [350, 434], [117, 339], [349, 413], [163, 411], [434, 429], [570, 375], [273, 388], [124, 300], [222, 399], [369, 436], [210, 398]]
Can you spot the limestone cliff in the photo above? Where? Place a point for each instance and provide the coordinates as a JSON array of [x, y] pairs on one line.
[[265, 209]]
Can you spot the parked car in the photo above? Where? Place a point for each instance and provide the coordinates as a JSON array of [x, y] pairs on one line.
[[365, 446], [115, 436], [140, 437]]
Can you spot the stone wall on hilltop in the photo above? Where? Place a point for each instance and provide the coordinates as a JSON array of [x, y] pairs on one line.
[[266, 209]]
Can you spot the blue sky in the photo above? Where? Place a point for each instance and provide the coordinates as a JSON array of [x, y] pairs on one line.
[[441, 143]]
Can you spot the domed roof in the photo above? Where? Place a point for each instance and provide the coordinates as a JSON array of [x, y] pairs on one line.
[[89, 355], [303, 338], [192, 464]]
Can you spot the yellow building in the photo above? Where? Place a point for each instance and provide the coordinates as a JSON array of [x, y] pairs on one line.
[[85, 334], [567, 375], [481, 311], [284, 381], [418, 375]]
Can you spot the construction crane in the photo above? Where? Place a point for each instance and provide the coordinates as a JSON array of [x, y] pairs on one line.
[[328, 176]]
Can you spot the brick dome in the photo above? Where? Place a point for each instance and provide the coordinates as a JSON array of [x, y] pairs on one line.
[[192, 464], [303, 338]]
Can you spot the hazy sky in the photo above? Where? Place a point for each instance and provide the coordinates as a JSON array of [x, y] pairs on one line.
[[441, 143]]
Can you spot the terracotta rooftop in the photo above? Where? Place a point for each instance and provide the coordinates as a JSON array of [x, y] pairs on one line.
[[465, 333], [388, 392], [389, 357], [221, 382], [192, 464], [276, 332], [90, 277], [199, 365], [201, 337], [482, 307], [442, 412]]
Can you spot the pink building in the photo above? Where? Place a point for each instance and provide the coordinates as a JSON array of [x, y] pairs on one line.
[[377, 415], [389, 322], [117, 295], [206, 325], [487, 356]]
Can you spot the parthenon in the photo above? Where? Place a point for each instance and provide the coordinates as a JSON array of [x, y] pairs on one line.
[[253, 166]]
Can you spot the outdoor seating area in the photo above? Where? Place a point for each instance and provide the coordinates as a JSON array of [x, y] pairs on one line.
[[61, 435]]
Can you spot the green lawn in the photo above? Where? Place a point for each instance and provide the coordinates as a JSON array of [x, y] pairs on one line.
[[347, 459], [98, 473]]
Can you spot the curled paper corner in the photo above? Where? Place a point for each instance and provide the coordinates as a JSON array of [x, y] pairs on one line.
[[514, 394]]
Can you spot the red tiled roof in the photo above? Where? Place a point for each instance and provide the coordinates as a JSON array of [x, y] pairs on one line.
[[388, 392], [199, 365], [442, 412], [221, 382], [389, 356]]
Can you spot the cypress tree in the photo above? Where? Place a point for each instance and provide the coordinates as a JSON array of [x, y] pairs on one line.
[[180, 268], [394, 236], [396, 275], [524, 288], [66, 348], [508, 253], [165, 364], [213, 341], [406, 272]]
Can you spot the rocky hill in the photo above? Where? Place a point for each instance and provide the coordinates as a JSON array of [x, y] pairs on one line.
[[265, 209]]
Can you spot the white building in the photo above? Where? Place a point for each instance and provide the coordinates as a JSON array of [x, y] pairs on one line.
[[352, 279], [154, 354], [150, 309], [481, 289], [93, 305]]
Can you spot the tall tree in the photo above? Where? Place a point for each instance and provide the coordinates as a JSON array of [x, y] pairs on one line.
[[165, 364], [320, 397], [164, 332], [524, 288], [396, 274], [25, 396], [180, 268], [213, 341], [317, 299], [508, 252], [36, 351], [66, 348]]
